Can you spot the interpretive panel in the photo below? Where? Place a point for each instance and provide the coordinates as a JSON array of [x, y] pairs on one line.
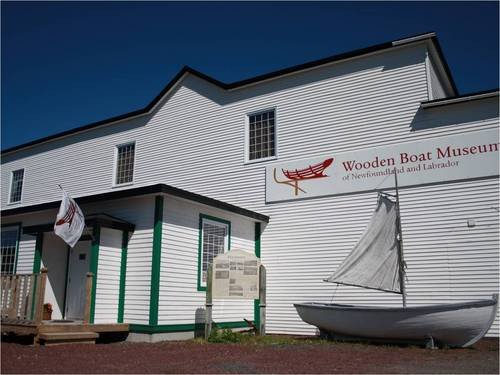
[[235, 275]]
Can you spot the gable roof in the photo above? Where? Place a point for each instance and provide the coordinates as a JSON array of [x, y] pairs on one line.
[[246, 82], [137, 191]]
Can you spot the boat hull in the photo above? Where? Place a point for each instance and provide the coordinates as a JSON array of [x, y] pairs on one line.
[[454, 325]]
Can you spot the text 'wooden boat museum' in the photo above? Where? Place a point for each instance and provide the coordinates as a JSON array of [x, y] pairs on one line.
[[289, 166]]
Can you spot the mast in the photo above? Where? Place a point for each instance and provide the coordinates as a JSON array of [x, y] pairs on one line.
[[400, 242]]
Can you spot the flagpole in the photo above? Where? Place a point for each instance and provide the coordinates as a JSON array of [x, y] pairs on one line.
[[400, 242]]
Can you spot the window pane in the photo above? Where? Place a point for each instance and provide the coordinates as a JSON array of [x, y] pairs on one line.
[[125, 163], [214, 243], [261, 135], [8, 249], [16, 188]]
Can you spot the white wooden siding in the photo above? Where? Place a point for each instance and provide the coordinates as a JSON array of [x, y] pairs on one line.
[[26, 254], [108, 276], [437, 89], [139, 211], [180, 302], [195, 141]]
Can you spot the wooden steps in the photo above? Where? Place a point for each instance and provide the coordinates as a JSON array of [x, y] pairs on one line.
[[54, 338], [59, 332]]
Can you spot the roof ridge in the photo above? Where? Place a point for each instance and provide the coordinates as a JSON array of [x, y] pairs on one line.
[[237, 84]]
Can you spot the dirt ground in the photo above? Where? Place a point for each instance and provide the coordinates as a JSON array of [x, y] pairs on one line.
[[195, 357]]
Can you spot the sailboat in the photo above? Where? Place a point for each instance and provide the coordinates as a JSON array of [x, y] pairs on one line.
[[377, 262]]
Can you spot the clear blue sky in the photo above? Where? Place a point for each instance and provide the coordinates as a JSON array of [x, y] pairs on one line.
[[67, 64]]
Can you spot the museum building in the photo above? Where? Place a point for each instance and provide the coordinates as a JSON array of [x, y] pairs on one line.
[[287, 165]]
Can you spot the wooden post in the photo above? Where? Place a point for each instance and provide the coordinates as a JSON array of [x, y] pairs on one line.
[[29, 297], [88, 297], [23, 306], [208, 304], [14, 297], [40, 295], [262, 299], [5, 296], [5, 293]]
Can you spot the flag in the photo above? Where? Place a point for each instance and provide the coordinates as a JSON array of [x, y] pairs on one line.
[[69, 221]]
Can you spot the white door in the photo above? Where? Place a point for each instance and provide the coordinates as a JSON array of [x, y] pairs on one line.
[[78, 266]]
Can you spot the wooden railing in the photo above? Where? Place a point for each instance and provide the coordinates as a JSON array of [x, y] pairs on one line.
[[22, 296]]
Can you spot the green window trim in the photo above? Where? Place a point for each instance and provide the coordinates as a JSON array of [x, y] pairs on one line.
[[93, 267], [155, 262], [123, 275], [202, 217]]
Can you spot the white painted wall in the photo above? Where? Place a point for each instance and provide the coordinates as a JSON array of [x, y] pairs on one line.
[[180, 301], [108, 276], [437, 88], [26, 254]]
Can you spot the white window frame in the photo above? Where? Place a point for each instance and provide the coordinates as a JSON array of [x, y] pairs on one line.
[[115, 164], [247, 135], [215, 222], [22, 188]]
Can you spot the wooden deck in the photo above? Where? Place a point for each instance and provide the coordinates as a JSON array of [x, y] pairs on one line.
[[22, 302], [59, 331]]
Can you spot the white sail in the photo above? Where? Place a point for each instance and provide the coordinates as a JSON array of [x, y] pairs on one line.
[[374, 261]]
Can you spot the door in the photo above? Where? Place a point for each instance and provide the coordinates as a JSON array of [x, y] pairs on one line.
[[78, 266]]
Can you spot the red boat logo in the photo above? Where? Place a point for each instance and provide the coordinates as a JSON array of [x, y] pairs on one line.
[[309, 173]]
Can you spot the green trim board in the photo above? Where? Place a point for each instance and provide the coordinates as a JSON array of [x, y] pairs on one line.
[[94, 261], [202, 217], [37, 258], [256, 302], [123, 271], [37, 261], [145, 328], [155, 262]]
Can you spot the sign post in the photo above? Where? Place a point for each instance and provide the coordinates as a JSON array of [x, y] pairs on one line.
[[262, 299], [236, 274], [208, 303]]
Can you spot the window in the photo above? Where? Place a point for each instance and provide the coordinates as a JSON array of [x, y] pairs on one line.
[[8, 248], [214, 239], [16, 186], [124, 172], [261, 135]]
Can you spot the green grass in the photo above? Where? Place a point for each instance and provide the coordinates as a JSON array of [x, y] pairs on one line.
[[227, 336]]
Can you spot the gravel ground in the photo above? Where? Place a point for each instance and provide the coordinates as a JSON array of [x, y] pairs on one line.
[[194, 357]]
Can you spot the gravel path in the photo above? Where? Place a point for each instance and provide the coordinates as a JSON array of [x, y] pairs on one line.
[[193, 357]]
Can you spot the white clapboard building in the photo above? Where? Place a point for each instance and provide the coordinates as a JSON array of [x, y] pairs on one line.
[[209, 166]]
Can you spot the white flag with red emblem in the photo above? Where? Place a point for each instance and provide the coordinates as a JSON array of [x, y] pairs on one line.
[[69, 221]]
